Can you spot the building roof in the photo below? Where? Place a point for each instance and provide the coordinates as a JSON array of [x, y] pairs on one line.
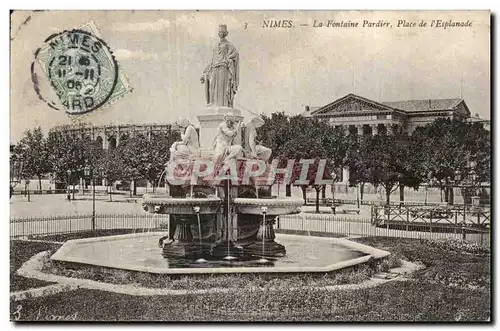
[[405, 106], [328, 107], [424, 105]]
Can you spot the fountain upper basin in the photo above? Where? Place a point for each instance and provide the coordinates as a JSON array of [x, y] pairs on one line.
[[274, 206], [163, 204]]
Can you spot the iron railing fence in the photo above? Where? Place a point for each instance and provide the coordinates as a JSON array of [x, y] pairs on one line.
[[51, 225], [328, 202], [364, 227], [398, 222]]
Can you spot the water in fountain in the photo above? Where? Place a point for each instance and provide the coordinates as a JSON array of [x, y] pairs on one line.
[[229, 257], [200, 260], [263, 259], [161, 176]]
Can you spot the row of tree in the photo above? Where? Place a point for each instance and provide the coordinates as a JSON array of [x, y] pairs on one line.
[[66, 155], [435, 153], [440, 153]]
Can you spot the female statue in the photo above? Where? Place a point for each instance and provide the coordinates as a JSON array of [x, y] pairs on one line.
[[221, 76]]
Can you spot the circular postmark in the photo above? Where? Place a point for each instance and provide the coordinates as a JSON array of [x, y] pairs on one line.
[[80, 69]]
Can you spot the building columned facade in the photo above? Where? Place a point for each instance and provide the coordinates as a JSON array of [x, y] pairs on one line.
[[365, 116]]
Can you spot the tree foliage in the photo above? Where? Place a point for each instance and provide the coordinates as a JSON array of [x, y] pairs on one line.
[[441, 149], [447, 148], [145, 157], [33, 151]]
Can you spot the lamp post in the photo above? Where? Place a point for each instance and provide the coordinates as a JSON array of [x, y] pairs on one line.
[[90, 173], [474, 198], [451, 183], [334, 176], [69, 184], [430, 182], [457, 178]]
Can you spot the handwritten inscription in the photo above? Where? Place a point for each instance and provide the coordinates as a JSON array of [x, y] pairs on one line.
[[42, 314]]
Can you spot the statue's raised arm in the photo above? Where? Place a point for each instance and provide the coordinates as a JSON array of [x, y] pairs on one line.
[[221, 76]]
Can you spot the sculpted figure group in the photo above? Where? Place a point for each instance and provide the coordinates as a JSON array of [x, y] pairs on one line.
[[224, 147], [221, 79]]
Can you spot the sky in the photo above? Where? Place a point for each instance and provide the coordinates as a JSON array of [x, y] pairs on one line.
[[163, 53]]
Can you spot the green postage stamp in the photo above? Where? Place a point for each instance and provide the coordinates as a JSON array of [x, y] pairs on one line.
[[80, 69]]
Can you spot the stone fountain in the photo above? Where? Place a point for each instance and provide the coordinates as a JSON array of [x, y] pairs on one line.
[[234, 216], [219, 202]]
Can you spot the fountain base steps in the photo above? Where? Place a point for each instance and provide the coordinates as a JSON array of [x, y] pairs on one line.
[[270, 249], [179, 249], [224, 249]]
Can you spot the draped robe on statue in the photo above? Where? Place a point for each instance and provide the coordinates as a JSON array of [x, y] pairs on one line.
[[222, 75]]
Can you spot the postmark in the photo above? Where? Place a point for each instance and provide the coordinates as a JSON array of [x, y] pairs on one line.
[[78, 70]]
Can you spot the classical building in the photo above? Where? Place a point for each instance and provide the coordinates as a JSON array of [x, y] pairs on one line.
[[366, 116]]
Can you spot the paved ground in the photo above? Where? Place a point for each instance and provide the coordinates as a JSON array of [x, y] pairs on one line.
[[56, 204], [52, 205]]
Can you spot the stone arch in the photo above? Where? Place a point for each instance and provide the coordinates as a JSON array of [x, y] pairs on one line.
[[100, 141], [124, 137], [112, 143]]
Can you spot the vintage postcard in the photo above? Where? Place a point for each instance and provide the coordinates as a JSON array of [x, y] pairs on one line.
[[280, 166]]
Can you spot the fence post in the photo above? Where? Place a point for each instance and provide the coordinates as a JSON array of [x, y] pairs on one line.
[[479, 226], [407, 217], [456, 222], [430, 224], [388, 218]]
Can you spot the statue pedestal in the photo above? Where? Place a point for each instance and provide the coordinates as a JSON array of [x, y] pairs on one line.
[[209, 121]]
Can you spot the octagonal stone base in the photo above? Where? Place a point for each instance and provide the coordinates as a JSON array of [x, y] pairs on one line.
[[140, 252]]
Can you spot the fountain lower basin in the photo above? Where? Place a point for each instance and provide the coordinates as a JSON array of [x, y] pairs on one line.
[[138, 252], [163, 204], [273, 206]]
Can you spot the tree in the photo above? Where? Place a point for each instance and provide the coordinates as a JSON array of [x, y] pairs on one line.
[[274, 134], [145, 158], [357, 161], [110, 166], [32, 150], [447, 147], [72, 151], [389, 162], [309, 140]]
